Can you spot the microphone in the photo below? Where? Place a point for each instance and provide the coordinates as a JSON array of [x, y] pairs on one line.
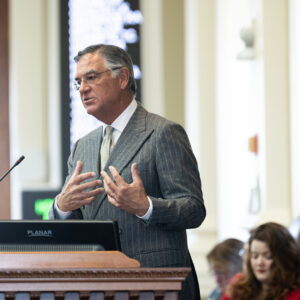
[[16, 163]]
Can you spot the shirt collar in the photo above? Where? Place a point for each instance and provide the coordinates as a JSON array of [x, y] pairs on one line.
[[122, 120]]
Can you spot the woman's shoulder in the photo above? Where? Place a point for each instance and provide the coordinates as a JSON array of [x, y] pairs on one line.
[[294, 295]]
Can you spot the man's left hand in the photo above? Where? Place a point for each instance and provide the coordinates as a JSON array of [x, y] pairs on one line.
[[130, 197]]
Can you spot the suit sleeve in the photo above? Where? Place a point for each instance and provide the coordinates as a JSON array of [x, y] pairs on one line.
[[181, 205]]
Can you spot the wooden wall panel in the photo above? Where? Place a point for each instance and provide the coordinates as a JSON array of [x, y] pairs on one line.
[[4, 112]]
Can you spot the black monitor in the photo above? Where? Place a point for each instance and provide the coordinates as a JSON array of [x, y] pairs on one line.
[[59, 235]]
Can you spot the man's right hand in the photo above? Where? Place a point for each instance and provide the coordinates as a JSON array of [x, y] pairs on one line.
[[74, 195]]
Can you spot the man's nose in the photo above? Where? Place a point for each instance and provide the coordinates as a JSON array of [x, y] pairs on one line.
[[83, 86]]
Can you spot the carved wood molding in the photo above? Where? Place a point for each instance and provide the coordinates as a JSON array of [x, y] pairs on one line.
[[159, 282], [120, 274]]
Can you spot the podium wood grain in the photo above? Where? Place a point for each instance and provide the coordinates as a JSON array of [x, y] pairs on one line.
[[65, 260]]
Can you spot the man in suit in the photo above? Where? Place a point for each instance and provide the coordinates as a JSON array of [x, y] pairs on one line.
[[150, 182]]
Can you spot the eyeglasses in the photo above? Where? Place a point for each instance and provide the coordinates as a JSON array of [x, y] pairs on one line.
[[91, 78]]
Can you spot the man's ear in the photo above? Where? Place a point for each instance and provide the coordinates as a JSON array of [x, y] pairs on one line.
[[124, 78]]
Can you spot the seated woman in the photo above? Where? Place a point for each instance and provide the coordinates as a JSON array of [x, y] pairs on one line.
[[225, 260], [272, 267]]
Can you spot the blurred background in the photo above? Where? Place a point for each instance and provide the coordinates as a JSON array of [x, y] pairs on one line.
[[227, 70]]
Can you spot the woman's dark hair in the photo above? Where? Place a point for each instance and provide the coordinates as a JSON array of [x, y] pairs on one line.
[[285, 269]]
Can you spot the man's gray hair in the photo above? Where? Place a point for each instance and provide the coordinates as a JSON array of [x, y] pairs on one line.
[[114, 57]]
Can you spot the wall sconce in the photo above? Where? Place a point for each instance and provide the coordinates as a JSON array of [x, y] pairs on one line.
[[247, 35]]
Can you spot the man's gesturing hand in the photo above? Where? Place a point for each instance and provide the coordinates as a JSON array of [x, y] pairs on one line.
[[130, 197], [74, 195]]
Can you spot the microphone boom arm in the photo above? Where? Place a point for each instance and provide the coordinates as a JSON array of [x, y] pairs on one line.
[[15, 164]]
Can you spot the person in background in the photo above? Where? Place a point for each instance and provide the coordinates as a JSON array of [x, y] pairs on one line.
[[225, 260], [137, 168], [272, 267]]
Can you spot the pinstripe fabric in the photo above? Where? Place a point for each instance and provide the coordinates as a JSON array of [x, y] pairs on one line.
[[106, 146], [171, 179]]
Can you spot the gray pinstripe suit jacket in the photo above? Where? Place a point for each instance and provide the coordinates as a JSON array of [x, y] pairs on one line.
[[171, 179]]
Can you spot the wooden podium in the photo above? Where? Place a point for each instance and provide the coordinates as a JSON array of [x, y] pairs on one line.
[[85, 275]]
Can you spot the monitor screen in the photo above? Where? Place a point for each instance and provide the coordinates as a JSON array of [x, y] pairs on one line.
[[59, 235]]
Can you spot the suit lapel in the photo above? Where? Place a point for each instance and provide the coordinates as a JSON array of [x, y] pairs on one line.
[[130, 141], [92, 162], [92, 152]]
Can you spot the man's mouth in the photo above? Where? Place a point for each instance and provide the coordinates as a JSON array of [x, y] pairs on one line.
[[86, 99]]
